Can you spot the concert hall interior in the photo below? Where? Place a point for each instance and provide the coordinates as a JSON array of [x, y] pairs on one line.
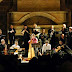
[[36, 35]]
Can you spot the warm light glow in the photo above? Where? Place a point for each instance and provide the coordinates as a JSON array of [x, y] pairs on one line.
[[1, 0]]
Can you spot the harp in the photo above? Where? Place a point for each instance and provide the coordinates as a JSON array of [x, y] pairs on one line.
[[31, 52]]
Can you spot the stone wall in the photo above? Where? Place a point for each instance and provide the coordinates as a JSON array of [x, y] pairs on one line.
[[38, 5], [18, 18]]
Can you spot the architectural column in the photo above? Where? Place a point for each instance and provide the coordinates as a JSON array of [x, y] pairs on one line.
[[62, 5], [68, 18]]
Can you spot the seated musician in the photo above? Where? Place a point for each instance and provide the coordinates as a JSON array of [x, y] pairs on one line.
[[15, 46], [3, 46], [62, 38], [61, 48], [58, 47], [1, 35], [46, 47]]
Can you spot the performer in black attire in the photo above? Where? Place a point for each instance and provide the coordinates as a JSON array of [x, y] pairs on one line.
[[51, 33], [62, 38], [61, 53], [26, 38], [69, 38], [64, 30], [43, 36], [60, 44], [12, 32], [61, 47], [34, 29]]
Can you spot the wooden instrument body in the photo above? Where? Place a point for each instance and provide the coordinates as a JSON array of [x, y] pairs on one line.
[[31, 52], [59, 48]]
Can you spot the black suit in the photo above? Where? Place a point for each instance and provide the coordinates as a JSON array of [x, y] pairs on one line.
[[69, 38], [63, 40], [12, 36], [64, 31], [26, 38], [53, 38], [35, 32]]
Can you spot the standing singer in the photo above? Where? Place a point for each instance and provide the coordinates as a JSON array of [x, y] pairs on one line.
[[11, 32]]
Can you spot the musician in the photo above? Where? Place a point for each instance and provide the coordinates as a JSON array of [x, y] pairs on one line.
[[15, 46], [3, 46], [46, 47], [59, 44], [69, 42], [11, 32], [43, 36], [57, 47], [51, 33], [64, 29], [61, 47], [26, 37], [62, 38], [1, 35], [34, 39], [34, 29]]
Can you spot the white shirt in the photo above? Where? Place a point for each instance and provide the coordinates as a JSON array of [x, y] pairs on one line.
[[15, 46], [48, 47]]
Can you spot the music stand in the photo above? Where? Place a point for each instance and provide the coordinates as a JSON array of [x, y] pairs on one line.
[[35, 46], [21, 52], [11, 51], [48, 52]]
